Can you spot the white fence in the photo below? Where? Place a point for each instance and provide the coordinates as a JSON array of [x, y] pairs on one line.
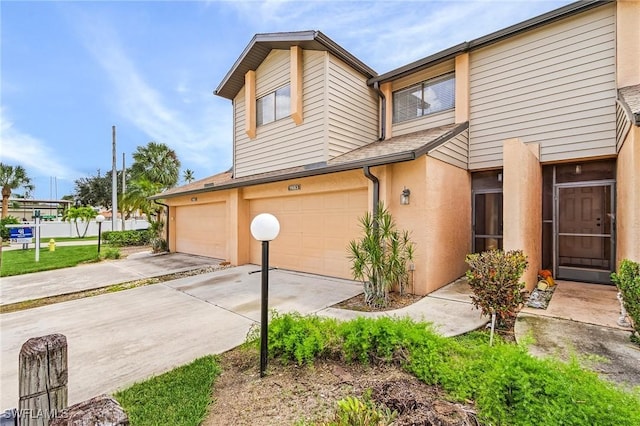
[[68, 229]]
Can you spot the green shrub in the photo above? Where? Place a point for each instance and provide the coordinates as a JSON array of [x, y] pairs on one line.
[[509, 386], [353, 411], [4, 231], [140, 237], [627, 279], [494, 278], [383, 339], [300, 339], [380, 258], [111, 253]]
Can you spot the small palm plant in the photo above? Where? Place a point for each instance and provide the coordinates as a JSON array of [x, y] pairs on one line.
[[380, 258]]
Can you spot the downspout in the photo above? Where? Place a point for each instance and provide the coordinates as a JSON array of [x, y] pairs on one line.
[[168, 221], [383, 111], [376, 188]]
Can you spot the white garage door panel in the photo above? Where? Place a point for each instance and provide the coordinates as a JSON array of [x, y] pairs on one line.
[[202, 230], [315, 231]]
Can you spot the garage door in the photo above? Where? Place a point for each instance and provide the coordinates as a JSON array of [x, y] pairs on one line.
[[202, 230], [315, 231]]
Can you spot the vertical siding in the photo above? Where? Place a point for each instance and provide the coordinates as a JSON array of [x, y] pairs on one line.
[[455, 151], [282, 144], [352, 109], [554, 85]]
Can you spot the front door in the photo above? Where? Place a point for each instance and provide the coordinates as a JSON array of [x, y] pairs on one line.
[[585, 231]]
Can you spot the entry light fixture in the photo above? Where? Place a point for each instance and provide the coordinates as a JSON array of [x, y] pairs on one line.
[[99, 219], [578, 169], [405, 196]]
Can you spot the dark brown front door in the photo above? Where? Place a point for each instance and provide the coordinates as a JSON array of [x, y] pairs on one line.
[[585, 231]]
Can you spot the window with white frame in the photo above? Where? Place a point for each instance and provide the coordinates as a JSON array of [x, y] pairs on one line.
[[274, 106], [427, 97]]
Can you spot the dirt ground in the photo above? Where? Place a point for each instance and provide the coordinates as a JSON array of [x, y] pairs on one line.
[[290, 394]]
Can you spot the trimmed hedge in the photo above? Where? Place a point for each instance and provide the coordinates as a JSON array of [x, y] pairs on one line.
[[140, 237]]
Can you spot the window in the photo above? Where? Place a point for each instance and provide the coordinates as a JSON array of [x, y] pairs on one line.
[[274, 106], [424, 98]]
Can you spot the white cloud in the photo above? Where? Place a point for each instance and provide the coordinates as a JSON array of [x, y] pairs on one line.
[[389, 34], [19, 148], [200, 134]]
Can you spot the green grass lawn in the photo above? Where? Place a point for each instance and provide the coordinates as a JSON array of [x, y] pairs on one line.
[[16, 262], [179, 397]]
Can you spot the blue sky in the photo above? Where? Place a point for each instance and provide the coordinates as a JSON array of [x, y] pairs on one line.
[[70, 70]]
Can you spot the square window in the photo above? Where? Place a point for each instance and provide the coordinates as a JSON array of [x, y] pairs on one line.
[[274, 106], [427, 97]]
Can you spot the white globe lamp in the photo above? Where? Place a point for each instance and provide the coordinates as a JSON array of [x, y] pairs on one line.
[[264, 227]]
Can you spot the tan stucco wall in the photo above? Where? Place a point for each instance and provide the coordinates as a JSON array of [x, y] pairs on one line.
[[438, 217], [448, 222], [628, 42], [628, 198], [238, 228], [522, 204]]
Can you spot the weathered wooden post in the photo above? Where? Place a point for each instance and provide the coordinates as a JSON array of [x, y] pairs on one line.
[[42, 376]]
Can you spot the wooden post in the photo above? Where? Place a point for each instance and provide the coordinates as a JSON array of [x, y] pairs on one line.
[[42, 376]]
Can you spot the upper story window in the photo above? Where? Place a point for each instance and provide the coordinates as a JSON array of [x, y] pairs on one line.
[[427, 97], [274, 106]]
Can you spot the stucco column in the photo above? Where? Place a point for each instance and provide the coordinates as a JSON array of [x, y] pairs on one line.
[[170, 227], [628, 198], [522, 204], [239, 238]]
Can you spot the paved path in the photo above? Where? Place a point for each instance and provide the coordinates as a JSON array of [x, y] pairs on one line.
[[120, 338]]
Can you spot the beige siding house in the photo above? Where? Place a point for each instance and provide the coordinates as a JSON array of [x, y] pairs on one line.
[[527, 138]]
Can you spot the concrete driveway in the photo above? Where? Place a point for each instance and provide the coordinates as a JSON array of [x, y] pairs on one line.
[[117, 339], [95, 275]]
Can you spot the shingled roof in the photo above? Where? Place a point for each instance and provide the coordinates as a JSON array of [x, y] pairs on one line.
[[394, 150]]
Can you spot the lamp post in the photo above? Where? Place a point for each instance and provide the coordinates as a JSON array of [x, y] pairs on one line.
[[99, 220], [264, 227]]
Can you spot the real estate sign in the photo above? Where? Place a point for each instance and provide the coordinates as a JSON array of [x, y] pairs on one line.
[[21, 235]]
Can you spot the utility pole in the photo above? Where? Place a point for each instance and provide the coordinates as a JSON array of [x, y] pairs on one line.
[[124, 187], [114, 183]]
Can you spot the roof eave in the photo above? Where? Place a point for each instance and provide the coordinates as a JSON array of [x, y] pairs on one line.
[[225, 88]]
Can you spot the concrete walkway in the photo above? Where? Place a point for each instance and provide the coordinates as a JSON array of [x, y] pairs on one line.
[[120, 338], [581, 321]]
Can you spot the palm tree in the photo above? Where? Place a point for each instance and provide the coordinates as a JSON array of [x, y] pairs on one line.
[[12, 178], [187, 175], [84, 214], [156, 163]]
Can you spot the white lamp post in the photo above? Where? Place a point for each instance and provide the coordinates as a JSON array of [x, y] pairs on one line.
[[99, 220], [264, 227]]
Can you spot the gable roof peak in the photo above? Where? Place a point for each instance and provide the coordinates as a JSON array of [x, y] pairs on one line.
[[263, 43]]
